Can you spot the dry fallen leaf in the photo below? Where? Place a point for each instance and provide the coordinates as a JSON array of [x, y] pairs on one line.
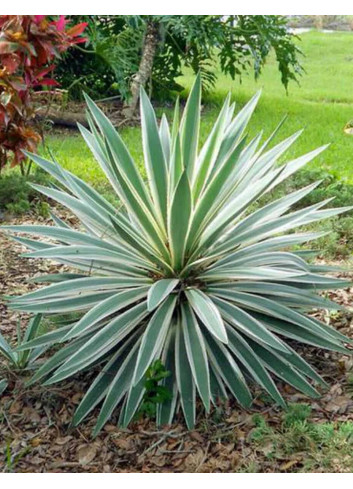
[[63, 440], [339, 404], [86, 454], [288, 465], [35, 442], [196, 436]]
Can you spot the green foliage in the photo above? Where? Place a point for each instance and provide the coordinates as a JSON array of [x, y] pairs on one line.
[[18, 197], [338, 242], [24, 359], [184, 270], [296, 413], [331, 187], [99, 70], [315, 445], [155, 393], [322, 104], [240, 43]]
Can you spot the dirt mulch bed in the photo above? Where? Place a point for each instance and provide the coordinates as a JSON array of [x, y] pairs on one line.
[[35, 432]]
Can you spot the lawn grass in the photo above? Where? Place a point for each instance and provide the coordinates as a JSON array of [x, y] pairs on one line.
[[322, 105]]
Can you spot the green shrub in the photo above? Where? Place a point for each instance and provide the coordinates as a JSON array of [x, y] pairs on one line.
[[315, 445], [338, 242], [182, 272], [16, 194], [331, 187]]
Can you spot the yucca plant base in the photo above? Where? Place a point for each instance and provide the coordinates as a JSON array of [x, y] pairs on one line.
[[181, 270]]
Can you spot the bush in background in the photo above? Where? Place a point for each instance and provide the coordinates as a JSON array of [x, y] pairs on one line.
[[18, 197]]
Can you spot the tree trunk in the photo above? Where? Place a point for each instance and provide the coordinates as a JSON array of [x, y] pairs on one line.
[[146, 65]]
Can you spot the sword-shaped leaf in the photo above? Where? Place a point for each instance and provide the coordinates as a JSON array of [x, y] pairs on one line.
[[208, 313], [159, 291]]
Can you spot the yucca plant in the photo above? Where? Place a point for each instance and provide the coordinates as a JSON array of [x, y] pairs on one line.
[[26, 358], [183, 270]]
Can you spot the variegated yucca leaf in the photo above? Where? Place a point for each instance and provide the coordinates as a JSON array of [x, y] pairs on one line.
[[183, 269]]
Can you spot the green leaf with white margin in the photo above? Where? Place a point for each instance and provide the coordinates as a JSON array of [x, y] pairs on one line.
[[176, 122], [205, 208], [275, 208], [245, 323], [154, 156], [267, 228], [210, 151], [154, 336], [62, 305], [241, 349], [164, 134], [232, 209], [110, 306], [139, 210], [45, 339], [176, 167], [86, 214], [6, 350], [159, 291], [196, 351], [120, 384], [190, 126], [102, 342], [208, 312], [91, 254], [298, 333], [179, 220], [271, 258], [303, 297], [236, 129], [295, 165], [31, 333], [136, 242], [184, 378], [99, 388], [120, 151], [133, 401], [72, 236], [300, 364], [250, 273], [58, 221], [75, 286], [273, 309], [58, 359], [166, 409], [218, 390], [257, 168], [284, 370], [278, 242], [223, 362], [54, 278]]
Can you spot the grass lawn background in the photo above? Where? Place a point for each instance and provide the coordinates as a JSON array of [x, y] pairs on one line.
[[322, 104]]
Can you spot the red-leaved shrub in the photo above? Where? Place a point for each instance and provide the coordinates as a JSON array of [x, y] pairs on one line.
[[29, 45]]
